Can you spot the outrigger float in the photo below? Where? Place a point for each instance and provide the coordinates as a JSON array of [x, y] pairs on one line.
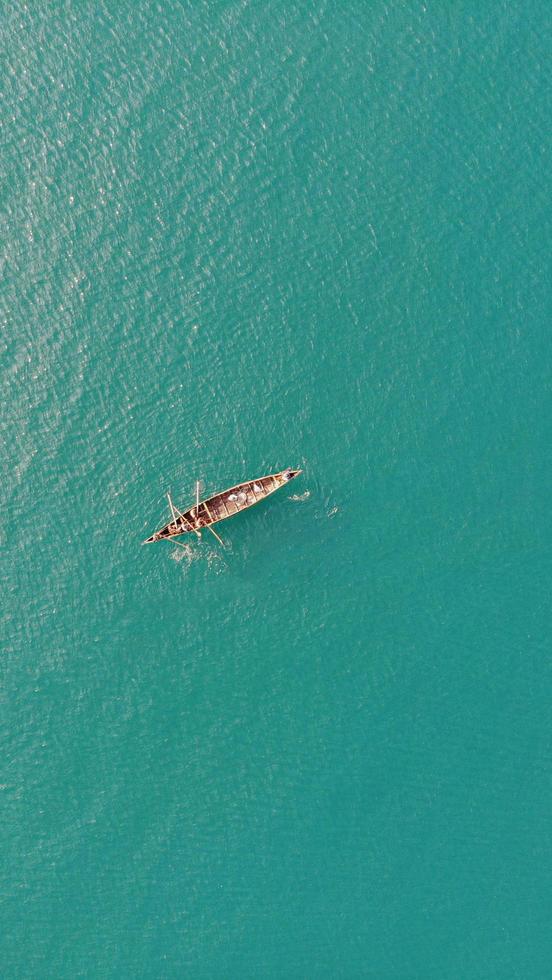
[[217, 508]]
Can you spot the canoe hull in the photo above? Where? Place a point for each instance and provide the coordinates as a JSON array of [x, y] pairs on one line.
[[223, 505]]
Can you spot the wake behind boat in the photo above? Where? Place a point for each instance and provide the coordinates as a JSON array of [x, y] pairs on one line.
[[217, 508]]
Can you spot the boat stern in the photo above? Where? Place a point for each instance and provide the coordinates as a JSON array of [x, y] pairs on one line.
[[152, 538], [167, 532], [290, 474]]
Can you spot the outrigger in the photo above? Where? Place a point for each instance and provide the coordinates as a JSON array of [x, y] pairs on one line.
[[217, 508]]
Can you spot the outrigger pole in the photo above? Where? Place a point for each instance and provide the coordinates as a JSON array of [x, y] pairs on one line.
[[208, 526], [173, 509], [175, 512], [173, 515]]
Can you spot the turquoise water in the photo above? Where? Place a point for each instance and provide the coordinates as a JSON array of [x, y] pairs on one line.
[[239, 237]]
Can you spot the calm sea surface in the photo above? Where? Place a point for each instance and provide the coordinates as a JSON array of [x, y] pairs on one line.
[[236, 237]]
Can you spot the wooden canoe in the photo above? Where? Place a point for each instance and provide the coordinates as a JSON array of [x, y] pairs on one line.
[[222, 505]]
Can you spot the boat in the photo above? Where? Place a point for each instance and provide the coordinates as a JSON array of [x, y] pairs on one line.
[[220, 506]]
